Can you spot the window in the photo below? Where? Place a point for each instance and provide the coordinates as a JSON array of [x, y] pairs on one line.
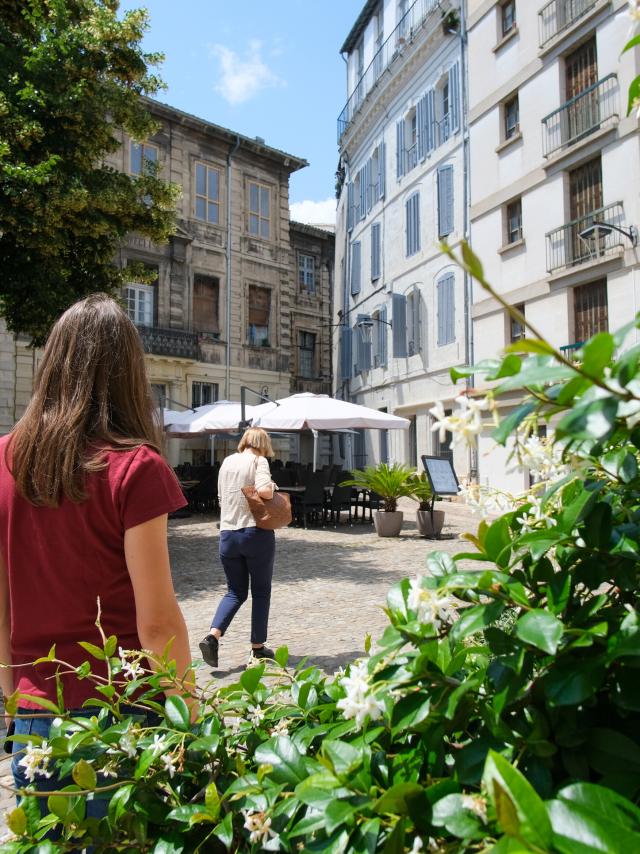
[[412, 218], [207, 204], [159, 394], [376, 265], [508, 16], [144, 158], [259, 207], [411, 141], [259, 316], [379, 337], [511, 117], [356, 267], [206, 290], [307, 359], [307, 273], [517, 329], [445, 200], [514, 221], [414, 337], [446, 310], [203, 393], [140, 303], [591, 313]]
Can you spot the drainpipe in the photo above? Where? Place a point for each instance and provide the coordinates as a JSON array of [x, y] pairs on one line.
[[227, 375], [466, 158]]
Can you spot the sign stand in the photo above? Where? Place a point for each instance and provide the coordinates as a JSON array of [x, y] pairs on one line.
[[442, 479]]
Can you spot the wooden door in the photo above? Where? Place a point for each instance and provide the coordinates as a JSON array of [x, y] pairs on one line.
[[591, 313], [585, 196], [581, 73]]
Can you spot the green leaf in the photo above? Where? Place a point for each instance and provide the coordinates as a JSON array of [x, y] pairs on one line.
[[572, 681], [286, 759], [282, 655], [519, 808], [634, 95], [541, 629], [17, 821], [576, 830], [634, 42], [497, 542], [509, 367], [224, 831], [450, 812], [84, 775], [318, 790], [509, 424], [410, 711], [93, 650], [251, 677], [50, 656], [621, 464], [395, 801], [41, 701], [473, 263], [110, 645], [475, 619], [531, 345], [177, 712], [611, 752], [597, 354], [212, 800], [190, 814], [344, 757], [594, 419]]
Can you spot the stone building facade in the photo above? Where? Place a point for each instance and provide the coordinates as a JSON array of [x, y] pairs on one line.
[[226, 307]]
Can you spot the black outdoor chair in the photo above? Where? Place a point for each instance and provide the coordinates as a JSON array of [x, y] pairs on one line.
[[309, 505], [339, 500], [282, 477], [370, 501], [203, 497]]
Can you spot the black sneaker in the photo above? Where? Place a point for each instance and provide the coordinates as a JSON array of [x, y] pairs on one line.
[[262, 652], [209, 650]]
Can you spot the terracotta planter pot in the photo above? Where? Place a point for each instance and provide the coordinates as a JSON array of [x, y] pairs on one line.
[[387, 524], [423, 522]]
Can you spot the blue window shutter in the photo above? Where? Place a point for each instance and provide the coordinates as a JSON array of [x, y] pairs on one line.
[[422, 128], [399, 325], [430, 119], [381, 169], [412, 213], [416, 221], [446, 309], [417, 320], [445, 200], [368, 174], [375, 251], [355, 268], [454, 96], [362, 209], [400, 148], [346, 338], [350, 206], [355, 350], [382, 314]]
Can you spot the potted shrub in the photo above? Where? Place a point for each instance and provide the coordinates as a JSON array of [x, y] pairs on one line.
[[390, 482], [428, 521]]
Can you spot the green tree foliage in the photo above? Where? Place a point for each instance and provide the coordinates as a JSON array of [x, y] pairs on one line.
[[72, 74]]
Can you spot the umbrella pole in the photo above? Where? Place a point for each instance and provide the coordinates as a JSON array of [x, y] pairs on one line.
[[315, 449]]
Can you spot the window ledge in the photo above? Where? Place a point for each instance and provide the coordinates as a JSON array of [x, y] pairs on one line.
[[508, 247], [507, 143], [513, 32]]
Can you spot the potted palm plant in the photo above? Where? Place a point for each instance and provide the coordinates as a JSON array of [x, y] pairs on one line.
[[390, 482], [428, 521]]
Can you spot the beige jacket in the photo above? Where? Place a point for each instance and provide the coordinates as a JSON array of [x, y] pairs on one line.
[[236, 471]]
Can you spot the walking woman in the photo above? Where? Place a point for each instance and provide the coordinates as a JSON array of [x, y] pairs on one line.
[[246, 552], [84, 498]]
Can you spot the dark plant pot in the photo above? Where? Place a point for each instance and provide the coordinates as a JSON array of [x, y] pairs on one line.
[[423, 522], [387, 523]]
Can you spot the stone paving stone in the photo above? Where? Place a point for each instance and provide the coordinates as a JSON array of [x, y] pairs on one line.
[[329, 588]]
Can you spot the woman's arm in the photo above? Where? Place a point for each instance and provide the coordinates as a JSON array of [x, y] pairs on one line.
[[158, 614], [6, 673]]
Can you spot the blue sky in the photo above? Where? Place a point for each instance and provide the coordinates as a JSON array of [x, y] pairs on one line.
[[269, 69]]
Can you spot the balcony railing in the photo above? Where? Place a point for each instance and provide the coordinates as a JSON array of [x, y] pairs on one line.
[[581, 116], [558, 15], [391, 47], [411, 158], [566, 248], [571, 350], [169, 342]]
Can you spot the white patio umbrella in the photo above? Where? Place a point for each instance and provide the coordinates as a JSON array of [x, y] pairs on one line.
[[316, 412], [172, 416], [224, 416]]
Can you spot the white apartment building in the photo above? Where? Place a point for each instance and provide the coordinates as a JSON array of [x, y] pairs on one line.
[[401, 309], [555, 177]]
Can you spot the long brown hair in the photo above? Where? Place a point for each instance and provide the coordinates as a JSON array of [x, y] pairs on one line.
[[91, 391]]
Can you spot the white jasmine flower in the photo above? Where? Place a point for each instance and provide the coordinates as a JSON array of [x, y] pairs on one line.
[[130, 660], [465, 423], [359, 703], [417, 846], [159, 744], [109, 769], [259, 827], [431, 606], [36, 761], [127, 745], [169, 762], [477, 805], [256, 714], [281, 728]]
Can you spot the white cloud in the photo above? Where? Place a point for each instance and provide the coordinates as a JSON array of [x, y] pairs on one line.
[[242, 78], [314, 213]]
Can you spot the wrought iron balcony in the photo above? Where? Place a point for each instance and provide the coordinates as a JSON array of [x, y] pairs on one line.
[[169, 342], [581, 116], [566, 247], [394, 45], [558, 15], [571, 350]]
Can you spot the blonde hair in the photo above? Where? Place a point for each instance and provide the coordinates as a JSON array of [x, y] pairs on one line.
[[258, 439]]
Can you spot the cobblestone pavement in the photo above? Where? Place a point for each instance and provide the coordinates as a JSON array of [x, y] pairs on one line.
[[329, 587]]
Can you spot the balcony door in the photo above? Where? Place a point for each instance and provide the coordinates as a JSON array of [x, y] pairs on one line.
[[581, 73], [591, 313], [585, 196]]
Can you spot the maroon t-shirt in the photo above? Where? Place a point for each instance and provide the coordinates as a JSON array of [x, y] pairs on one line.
[[61, 559]]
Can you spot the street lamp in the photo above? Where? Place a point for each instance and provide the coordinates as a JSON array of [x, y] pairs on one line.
[[365, 322], [604, 229]]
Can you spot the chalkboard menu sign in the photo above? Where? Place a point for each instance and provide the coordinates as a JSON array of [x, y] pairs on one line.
[[441, 475]]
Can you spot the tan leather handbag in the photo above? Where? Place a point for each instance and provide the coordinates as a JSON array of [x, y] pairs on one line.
[[269, 513]]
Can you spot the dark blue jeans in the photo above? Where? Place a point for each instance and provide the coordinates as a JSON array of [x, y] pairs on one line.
[[247, 556]]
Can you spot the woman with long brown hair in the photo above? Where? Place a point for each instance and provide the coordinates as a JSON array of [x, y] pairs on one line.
[[84, 500]]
